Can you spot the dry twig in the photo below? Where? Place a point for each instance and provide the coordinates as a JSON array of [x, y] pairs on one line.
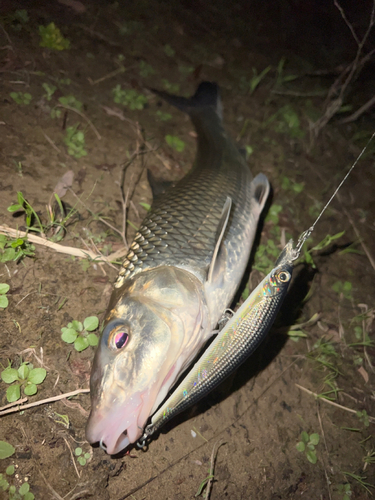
[[371, 419], [42, 401]]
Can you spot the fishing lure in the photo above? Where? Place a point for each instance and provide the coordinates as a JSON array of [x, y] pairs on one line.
[[241, 335]]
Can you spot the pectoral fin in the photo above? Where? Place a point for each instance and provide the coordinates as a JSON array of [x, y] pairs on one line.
[[219, 236], [260, 190]]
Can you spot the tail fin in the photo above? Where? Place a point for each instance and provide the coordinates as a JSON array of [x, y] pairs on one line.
[[206, 95]]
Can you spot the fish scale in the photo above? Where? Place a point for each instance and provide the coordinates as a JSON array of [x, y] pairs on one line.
[[180, 227]]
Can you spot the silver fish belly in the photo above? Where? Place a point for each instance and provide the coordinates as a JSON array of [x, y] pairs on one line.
[[181, 272], [237, 340]]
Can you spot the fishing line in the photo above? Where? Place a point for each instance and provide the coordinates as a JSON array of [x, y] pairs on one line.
[[306, 234]]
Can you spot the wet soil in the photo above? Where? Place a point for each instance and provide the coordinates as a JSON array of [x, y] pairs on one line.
[[259, 413]]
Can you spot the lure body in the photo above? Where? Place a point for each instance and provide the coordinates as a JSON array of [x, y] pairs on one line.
[[237, 340]]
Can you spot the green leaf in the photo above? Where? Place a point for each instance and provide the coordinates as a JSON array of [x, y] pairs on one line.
[[92, 339], [37, 375], [12, 491], [23, 371], [6, 450], [9, 471], [9, 375], [4, 288], [175, 143], [311, 457], [3, 484], [3, 301], [146, 206], [15, 208], [82, 461], [24, 489], [13, 393], [77, 325], [29, 496], [30, 390], [314, 438], [304, 437], [91, 323], [81, 344], [69, 335], [78, 452], [300, 446]]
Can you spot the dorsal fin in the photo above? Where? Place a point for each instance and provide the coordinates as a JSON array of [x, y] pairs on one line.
[[219, 236]]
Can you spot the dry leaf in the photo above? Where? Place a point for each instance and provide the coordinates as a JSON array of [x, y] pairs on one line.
[[364, 374], [64, 183], [114, 112]]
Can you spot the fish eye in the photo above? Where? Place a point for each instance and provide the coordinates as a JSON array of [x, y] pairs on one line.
[[284, 276], [119, 338]]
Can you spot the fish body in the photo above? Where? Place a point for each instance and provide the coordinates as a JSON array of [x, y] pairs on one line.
[[182, 270], [237, 340]]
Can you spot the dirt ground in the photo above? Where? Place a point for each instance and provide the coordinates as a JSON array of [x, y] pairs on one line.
[[258, 415]]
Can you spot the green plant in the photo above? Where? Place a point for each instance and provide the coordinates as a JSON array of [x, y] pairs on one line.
[[286, 122], [18, 19], [169, 51], [23, 492], [52, 38], [326, 241], [21, 97], [289, 184], [250, 85], [345, 490], [163, 117], [50, 90], [23, 205], [6, 450], [71, 101], [281, 78], [307, 445], [13, 249], [173, 88], [361, 480], [129, 97], [81, 457], [145, 69], [363, 417], [79, 333], [343, 288], [4, 289], [75, 140], [175, 143], [26, 376]]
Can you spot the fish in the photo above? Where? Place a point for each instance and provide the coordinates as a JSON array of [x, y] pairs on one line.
[[236, 341], [181, 272]]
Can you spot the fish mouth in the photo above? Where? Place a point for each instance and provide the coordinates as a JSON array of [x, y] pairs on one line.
[[114, 430]]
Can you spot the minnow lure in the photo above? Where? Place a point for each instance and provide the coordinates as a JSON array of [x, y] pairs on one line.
[[240, 336]]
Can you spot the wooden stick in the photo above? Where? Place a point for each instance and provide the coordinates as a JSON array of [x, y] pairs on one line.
[[371, 419], [43, 401], [76, 252]]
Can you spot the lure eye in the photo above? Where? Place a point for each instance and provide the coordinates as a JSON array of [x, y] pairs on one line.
[[120, 339], [284, 276]]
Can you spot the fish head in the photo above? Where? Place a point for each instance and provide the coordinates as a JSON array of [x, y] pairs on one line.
[[153, 330]]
